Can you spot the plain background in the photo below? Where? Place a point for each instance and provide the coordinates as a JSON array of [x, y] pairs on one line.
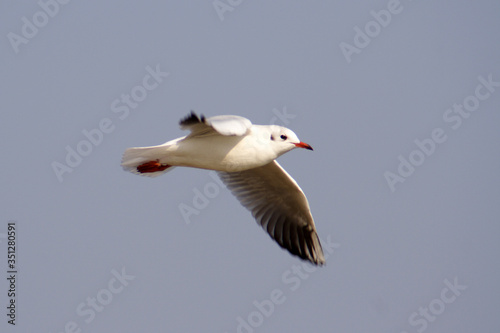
[[396, 248]]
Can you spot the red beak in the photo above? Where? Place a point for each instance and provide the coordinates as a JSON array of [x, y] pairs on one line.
[[303, 145]]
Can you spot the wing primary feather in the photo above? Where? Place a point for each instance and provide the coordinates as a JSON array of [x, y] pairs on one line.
[[191, 119], [303, 243], [294, 242]]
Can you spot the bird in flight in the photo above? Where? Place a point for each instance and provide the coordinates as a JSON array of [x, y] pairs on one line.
[[244, 156]]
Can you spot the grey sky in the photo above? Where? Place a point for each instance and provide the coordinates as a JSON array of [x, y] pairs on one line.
[[420, 255]]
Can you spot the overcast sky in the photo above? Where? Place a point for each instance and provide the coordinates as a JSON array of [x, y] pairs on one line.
[[400, 100]]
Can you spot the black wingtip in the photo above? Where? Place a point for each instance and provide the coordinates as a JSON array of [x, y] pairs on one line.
[[311, 250], [191, 119]]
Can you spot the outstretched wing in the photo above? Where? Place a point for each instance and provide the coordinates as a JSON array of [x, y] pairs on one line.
[[223, 125], [279, 206]]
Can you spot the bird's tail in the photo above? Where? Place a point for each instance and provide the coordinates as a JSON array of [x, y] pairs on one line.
[[146, 161]]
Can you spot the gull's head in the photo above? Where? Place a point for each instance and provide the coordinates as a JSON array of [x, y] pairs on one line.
[[284, 140]]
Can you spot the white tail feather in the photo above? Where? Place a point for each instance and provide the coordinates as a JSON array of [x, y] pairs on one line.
[[133, 157]]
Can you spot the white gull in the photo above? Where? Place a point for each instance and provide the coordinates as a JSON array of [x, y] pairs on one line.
[[244, 156]]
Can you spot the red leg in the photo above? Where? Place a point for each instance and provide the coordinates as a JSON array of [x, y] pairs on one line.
[[152, 166]]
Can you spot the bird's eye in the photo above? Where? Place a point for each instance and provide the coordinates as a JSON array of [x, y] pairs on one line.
[[283, 137]]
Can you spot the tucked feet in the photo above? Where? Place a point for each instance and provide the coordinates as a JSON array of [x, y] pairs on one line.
[[152, 166]]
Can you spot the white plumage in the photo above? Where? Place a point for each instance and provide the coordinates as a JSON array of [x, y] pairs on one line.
[[244, 156]]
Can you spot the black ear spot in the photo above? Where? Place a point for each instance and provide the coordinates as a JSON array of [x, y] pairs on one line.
[[272, 137]]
